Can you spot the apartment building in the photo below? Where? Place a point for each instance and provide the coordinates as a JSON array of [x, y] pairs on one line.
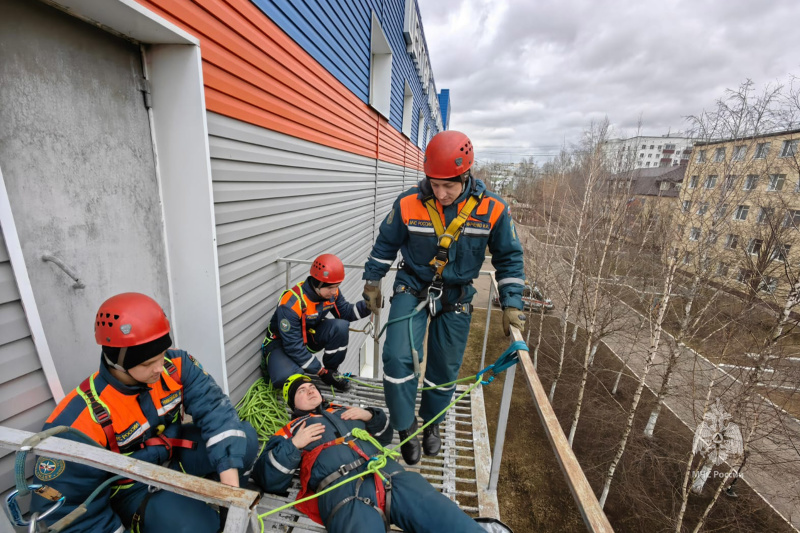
[[647, 152], [739, 213]]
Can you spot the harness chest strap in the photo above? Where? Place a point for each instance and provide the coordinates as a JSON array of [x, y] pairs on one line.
[[311, 508], [445, 238], [303, 307], [101, 414]]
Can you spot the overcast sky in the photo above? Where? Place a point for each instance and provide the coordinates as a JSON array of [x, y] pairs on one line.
[[526, 76]]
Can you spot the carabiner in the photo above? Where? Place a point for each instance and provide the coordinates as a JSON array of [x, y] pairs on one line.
[[434, 294], [16, 515]]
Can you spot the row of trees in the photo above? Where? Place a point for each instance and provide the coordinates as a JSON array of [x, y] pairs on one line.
[[690, 296]]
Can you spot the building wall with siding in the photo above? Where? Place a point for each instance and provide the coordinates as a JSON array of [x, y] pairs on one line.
[[25, 398], [301, 164]]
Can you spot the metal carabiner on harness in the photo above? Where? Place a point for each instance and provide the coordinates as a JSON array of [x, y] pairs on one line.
[[16, 515], [434, 293]]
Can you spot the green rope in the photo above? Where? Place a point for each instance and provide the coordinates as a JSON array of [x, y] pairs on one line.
[[264, 409]]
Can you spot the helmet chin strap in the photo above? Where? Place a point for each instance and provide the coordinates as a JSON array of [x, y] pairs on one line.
[[115, 365]]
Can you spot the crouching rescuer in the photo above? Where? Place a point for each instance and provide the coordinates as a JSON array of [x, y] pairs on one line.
[[442, 227], [327, 444], [134, 405], [312, 317]]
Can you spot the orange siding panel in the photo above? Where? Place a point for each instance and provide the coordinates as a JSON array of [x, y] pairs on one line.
[[255, 73]]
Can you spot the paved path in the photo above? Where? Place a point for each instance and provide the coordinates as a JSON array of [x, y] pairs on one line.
[[773, 467]]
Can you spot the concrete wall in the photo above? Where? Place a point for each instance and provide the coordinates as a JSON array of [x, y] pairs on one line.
[[77, 158]]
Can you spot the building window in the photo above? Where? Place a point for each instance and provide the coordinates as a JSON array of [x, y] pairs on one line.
[[789, 148], [687, 204], [750, 182], [781, 252], [408, 110], [768, 284], [741, 212], [731, 241], [644, 146], [720, 211], [701, 156], [776, 182], [730, 182], [765, 215], [792, 219], [693, 181], [663, 186], [702, 207], [647, 164], [694, 234], [641, 155], [687, 258], [722, 270], [380, 70], [659, 147], [762, 149], [719, 155], [739, 152], [743, 276], [754, 248], [651, 146], [711, 182], [649, 155], [712, 237]]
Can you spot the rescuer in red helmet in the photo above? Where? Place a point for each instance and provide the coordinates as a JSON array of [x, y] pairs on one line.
[[134, 405], [442, 227], [301, 327]]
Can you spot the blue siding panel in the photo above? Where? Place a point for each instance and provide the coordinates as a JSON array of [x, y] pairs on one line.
[[336, 33]]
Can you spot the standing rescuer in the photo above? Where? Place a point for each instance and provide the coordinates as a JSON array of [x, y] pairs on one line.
[[301, 327], [134, 405], [442, 228]]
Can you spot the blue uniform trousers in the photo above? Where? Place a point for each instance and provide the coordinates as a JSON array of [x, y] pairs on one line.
[[447, 339], [330, 337], [168, 511], [416, 506]]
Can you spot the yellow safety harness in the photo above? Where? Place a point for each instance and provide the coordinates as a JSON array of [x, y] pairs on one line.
[[445, 238]]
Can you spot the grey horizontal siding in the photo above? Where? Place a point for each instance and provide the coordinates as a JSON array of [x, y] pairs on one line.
[[25, 398], [278, 196]]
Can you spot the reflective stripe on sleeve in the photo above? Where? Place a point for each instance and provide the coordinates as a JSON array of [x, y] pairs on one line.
[[384, 261], [311, 359], [279, 467], [337, 350], [384, 427], [224, 435], [506, 281]]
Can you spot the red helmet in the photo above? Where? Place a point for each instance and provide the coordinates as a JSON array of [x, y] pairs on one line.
[[449, 154], [129, 319], [327, 268]]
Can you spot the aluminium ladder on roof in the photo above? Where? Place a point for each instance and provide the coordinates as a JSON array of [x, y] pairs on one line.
[[460, 471]]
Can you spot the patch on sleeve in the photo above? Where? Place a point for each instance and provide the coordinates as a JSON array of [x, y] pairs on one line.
[[48, 469], [513, 230], [390, 218], [285, 326], [196, 363]]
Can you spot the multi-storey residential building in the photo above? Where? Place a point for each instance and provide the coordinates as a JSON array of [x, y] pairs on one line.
[[740, 212], [651, 198], [647, 152]]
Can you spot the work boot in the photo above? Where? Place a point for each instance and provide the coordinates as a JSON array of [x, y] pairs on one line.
[[411, 449], [329, 378], [431, 441]]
